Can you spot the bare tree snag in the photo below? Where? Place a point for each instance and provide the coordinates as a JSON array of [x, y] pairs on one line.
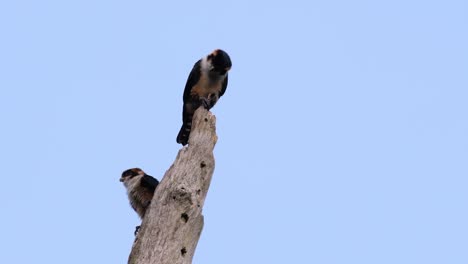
[[171, 228]]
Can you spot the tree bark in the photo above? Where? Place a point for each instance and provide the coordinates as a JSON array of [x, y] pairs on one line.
[[171, 228]]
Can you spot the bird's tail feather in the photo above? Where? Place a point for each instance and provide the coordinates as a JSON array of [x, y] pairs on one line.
[[183, 136]]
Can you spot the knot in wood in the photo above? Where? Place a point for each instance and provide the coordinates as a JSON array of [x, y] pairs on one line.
[[182, 195]]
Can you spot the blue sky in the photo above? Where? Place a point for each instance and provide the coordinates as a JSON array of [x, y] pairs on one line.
[[342, 134]]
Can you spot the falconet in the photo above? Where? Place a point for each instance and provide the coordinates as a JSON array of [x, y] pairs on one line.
[[140, 190], [206, 83]]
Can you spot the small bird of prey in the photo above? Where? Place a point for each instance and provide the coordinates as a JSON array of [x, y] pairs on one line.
[[206, 83], [140, 190]]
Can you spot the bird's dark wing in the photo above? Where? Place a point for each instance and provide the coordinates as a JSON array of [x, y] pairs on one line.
[[223, 89], [149, 182], [193, 78]]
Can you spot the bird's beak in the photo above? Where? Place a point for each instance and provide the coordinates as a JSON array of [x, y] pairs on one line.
[[121, 179]]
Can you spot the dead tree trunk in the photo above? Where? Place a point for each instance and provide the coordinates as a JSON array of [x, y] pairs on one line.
[[171, 228]]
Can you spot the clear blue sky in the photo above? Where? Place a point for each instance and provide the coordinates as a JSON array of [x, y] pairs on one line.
[[343, 134]]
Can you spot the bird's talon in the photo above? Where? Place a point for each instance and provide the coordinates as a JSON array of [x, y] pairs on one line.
[[206, 104], [137, 228]]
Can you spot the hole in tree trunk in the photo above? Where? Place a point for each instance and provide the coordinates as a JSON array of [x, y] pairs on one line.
[[185, 217]]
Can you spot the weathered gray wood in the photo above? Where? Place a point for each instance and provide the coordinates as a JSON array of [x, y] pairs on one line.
[[171, 228]]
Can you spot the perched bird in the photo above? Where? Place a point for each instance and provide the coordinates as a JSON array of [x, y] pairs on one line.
[[206, 83], [140, 189]]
